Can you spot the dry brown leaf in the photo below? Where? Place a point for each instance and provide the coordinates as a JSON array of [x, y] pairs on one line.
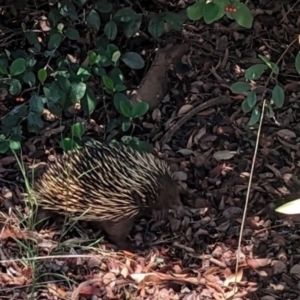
[[232, 212], [286, 134], [88, 291], [9, 233], [7, 160], [55, 290], [180, 175], [224, 155], [257, 263], [268, 298], [184, 109], [295, 270], [234, 278], [278, 267], [185, 152]]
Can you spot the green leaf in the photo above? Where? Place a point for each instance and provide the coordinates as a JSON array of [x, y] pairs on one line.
[[140, 146], [278, 96], [125, 107], [99, 71], [55, 97], [120, 88], [156, 26], [108, 83], [92, 58], [125, 126], [125, 14], [240, 87], [17, 67], [297, 62], [195, 11], [104, 6], [34, 122], [101, 42], [29, 78], [289, 208], [60, 27], [3, 67], [64, 83], [3, 70], [51, 94], [78, 90], [88, 102], [111, 30], [54, 17], [243, 16], [81, 3], [211, 12], [10, 121], [14, 145], [270, 64], [31, 62], [54, 41], [68, 144], [4, 146], [115, 57], [72, 34], [31, 37], [133, 60], [20, 111], [174, 20], [139, 109], [111, 49], [78, 130], [42, 75], [118, 98], [255, 116], [15, 87], [36, 104], [132, 27], [103, 60], [117, 76], [93, 20], [84, 73], [245, 107], [255, 71], [126, 139], [251, 99], [67, 9]]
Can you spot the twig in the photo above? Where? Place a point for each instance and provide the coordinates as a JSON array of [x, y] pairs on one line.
[[248, 194], [222, 100], [291, 9], [277, 62], [254, 158]]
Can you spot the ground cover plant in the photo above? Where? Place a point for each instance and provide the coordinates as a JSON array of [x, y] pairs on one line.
[[210, 86]]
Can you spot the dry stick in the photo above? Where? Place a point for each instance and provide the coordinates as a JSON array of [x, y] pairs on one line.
[[248, 192], [210, 103], [277, 62], [75, 293], [290, 10], [254, 157]]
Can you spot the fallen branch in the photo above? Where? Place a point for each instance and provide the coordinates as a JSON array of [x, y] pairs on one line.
[[222, 100]]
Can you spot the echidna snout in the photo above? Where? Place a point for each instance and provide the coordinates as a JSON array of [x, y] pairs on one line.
[[168, 198]]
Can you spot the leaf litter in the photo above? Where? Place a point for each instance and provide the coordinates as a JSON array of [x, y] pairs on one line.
[[200, 129]]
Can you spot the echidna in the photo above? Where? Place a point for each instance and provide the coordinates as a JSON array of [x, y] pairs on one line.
[[110, 185]]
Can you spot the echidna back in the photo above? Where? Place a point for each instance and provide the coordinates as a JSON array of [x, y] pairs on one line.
[[96, 182]]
